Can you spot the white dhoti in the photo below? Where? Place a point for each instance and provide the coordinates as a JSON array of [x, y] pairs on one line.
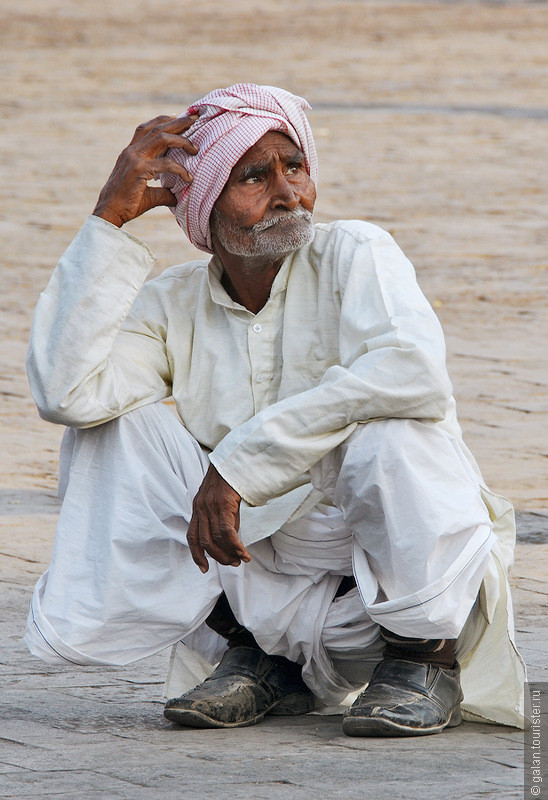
[[402, 511]]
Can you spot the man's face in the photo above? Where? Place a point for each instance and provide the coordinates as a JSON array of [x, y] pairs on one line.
[[266, 206]]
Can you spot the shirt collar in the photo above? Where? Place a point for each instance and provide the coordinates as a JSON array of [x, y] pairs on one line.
[[220, 296]]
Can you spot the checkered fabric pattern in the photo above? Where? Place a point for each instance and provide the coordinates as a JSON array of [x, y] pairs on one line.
[[230, 122]]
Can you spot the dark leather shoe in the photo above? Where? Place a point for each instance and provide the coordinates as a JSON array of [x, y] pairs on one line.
[[246, 685], [404, 698]]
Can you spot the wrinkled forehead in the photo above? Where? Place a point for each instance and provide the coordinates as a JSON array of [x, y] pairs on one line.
[[272, 146]]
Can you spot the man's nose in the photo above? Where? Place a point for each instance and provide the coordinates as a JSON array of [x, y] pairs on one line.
[[284, 194]]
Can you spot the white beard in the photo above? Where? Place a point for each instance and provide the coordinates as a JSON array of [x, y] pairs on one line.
[[277, 236]]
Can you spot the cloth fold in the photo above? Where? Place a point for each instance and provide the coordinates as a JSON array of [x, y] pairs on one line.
[[230, 122]]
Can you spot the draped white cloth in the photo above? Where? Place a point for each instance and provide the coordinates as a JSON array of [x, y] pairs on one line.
[[122, 584]]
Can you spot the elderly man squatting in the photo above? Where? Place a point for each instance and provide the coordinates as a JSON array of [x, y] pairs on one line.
[[316, 521]]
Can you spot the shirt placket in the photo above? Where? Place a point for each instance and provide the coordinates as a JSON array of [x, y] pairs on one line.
[[261, 358]]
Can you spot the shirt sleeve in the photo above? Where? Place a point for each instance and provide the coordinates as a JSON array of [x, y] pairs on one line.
[[391, 364], [90, 360]]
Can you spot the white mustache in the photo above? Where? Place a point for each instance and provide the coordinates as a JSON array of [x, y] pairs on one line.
[[296, 214]]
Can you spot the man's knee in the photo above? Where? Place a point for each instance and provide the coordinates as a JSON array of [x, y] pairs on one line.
[[150, 437], [377, 445], [394, 448], [392, 439], [398, 475]]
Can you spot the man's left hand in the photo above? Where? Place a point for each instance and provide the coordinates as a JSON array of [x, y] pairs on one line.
[[215, 522]]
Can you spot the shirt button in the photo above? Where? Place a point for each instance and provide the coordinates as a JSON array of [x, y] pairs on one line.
[[260, 378], [257, 328]]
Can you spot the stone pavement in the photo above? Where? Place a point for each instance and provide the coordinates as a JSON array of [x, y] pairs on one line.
[[91, 733]]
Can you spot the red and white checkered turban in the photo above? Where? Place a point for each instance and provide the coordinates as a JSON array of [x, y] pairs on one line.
[[230, 122]]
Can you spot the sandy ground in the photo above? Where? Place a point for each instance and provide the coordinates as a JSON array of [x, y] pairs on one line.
[[431, 120]]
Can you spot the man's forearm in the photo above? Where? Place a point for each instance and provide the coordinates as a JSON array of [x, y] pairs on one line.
[[73, 378], [267, 455]]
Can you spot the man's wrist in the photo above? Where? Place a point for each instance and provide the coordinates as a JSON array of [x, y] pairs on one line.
[[108, 216]]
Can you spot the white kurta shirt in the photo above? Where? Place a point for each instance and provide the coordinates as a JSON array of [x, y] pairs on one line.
[[346, 336]]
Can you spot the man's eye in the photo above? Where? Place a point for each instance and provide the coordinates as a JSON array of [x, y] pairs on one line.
[[253, 179]]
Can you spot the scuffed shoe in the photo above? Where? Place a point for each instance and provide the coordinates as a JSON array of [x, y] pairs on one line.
[[246, 685], [405, 698]]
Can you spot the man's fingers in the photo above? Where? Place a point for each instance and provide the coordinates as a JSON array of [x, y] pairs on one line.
[[166, 164], [142, 129], [221, 543], [196, 550], [175, 125], [156, 196], [180, 124], [225, 547], [163, 122], [227, 542], [157, 143]]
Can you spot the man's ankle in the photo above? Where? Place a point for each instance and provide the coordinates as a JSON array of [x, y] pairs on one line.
[[222, 621], [438, 652]]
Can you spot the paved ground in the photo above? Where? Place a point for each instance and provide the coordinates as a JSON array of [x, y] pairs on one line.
[[430, 120]]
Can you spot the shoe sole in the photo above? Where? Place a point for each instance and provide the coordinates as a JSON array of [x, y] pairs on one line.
[[289, 706], [196, 719], [379, 726]]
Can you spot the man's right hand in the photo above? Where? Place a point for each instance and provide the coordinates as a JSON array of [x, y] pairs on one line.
[[215, 521], [126, 194]]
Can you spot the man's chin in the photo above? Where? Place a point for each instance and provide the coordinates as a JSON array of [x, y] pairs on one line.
[[283, 238]]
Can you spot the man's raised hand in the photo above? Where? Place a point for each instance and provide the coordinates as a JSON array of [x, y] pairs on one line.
[[126, 194], [215, 521]]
